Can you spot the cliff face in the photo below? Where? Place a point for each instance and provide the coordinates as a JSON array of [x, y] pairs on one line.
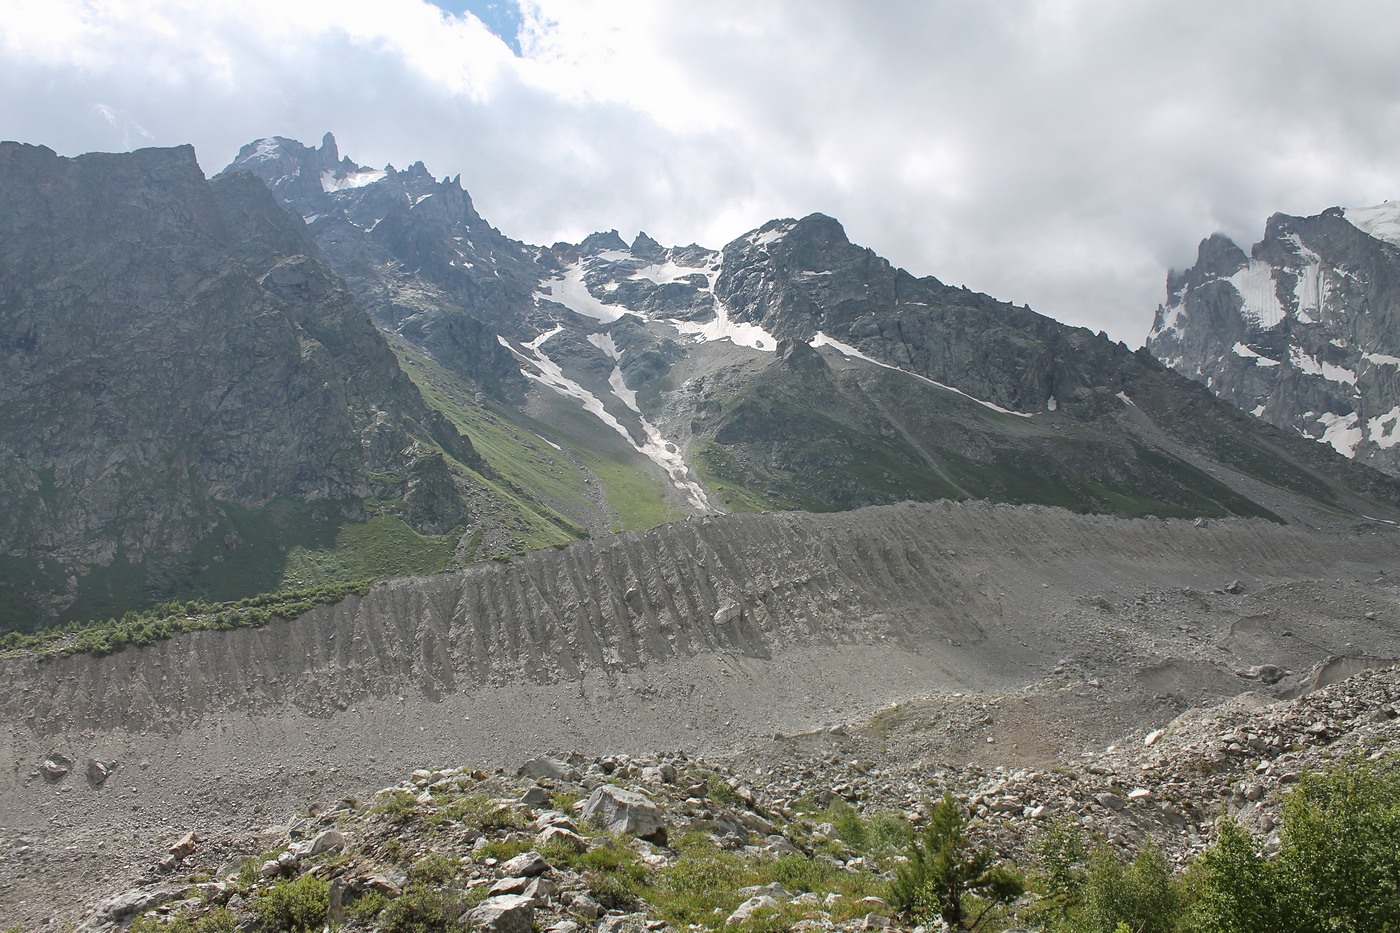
[[171, 352], [1302, 332]]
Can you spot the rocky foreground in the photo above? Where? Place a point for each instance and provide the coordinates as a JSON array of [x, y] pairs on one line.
[[804, 831]]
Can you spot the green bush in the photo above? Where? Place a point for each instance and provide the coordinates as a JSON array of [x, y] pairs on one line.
[[425, 910], [218, 920], [298, 906], [1338, 865], [1141, 895], [945, 874]]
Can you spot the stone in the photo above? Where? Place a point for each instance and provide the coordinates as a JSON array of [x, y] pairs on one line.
[[548, 768], [55, 767], [185, 846], [751, 906], [727, 613], [120, 907], [625, 811], [541, 890], [585, 906], [526, 865], [505, 913], [779, 845], [99, 771], [559, 836], [510, 885], [536, 796], [332, 840]]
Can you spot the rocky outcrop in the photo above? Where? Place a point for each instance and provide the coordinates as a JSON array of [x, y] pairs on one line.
[[1301, 332], [412, 249]]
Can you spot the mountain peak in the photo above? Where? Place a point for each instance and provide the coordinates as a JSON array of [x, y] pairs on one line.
[[603, 240]]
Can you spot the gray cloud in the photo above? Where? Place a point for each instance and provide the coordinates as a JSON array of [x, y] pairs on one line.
[[1061, 153]]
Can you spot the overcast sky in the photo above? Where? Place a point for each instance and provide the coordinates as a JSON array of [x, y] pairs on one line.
[[1060, 153]]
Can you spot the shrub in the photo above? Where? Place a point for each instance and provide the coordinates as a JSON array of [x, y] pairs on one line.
[[218, 920], [1141, 895], [944, 872], [424, 910], [1338, 866], [298, 906]]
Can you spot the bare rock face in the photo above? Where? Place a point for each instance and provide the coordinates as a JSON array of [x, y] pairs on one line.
[[174, 363], [1302, 332]]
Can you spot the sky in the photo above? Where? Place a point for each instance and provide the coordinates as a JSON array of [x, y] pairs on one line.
[[1059, 153]]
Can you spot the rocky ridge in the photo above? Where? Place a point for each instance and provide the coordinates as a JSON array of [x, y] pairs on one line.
[[1301, 331], [777, 372]]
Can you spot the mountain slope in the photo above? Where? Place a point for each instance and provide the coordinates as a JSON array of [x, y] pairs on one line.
[[1304, 332], [190, 403]]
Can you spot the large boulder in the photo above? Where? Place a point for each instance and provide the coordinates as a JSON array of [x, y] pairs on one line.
[[506, 913], [625, 811]]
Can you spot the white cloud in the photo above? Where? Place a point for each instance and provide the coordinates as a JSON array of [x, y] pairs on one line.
[[1062, 153]]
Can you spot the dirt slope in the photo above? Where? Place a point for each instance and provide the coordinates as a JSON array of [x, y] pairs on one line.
[[620, 644]]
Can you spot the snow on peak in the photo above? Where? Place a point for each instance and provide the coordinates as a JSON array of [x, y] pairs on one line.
[[356, 179], [1381, 221], [264, 149], [763, 238]]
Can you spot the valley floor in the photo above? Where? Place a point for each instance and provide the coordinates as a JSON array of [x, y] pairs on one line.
[[1027, 639]]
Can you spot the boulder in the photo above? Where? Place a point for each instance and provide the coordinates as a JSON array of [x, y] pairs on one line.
[[548, 768], [505, 913], [99, 771], [56, 767], [625, 811], [746, 910]]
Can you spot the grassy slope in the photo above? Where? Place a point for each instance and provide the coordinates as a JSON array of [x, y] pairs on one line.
[[873, 436], [529, 470]]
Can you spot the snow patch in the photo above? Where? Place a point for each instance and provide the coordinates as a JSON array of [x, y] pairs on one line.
[[720, 327], [570, 292], [1381, 221], [329, 181], [845, 349], [1381, 359], [1123, 397], [1384, 430], [1240, 349], [1255, 283], [1343, 432], [1310, 290], [1329, 371], [1258, 411], [669, 271], [771, 236]]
